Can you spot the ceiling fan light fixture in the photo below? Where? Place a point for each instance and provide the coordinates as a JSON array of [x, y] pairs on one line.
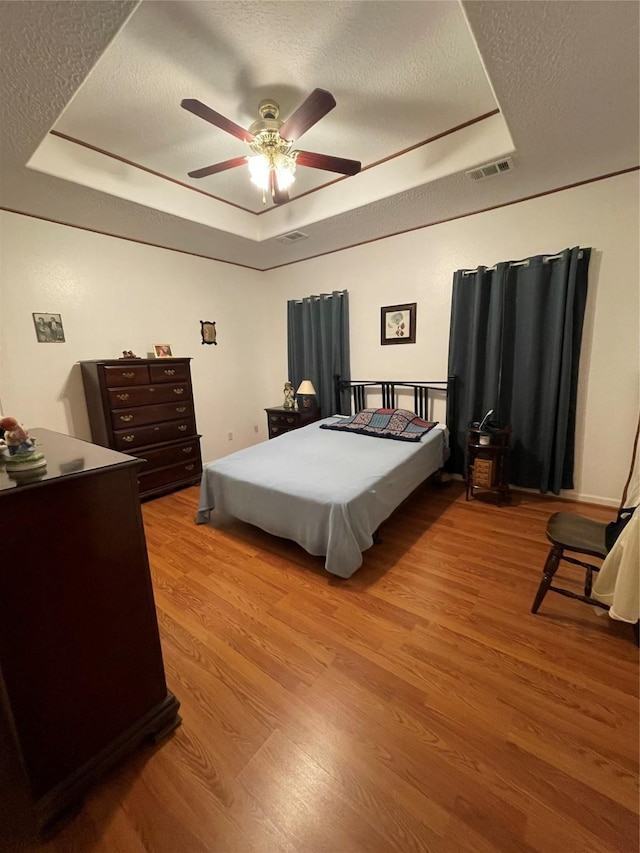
[[260, 166], [273, 164], [259, 170]]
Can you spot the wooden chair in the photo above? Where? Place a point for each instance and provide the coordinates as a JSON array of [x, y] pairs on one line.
[[578, 535]]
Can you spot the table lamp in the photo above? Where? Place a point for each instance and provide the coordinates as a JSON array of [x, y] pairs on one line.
[[307, 391]]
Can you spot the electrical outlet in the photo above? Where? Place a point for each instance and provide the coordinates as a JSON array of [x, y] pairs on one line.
[[230, 436], [255, 427]]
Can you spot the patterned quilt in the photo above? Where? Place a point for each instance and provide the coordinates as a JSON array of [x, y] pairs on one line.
[[399, 424]]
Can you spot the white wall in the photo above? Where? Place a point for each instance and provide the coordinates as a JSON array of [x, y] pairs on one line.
[[419, 266], [115, 295]]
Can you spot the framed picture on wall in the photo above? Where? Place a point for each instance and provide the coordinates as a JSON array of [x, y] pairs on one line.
[[398, 324], [49, 328], [162, 351]]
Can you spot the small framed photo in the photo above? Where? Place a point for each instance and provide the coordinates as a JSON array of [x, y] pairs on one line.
[[162, 351], [49, 328], [398, 324], [208, 332]]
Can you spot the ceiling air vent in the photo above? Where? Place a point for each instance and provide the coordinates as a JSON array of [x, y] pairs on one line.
[[292, 237], [489, 169]]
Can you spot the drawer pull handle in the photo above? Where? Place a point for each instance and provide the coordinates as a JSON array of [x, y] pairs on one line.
[[182, 427], [189, 467], [274, 429], [126, 418], [129, 374], [291, 420], [274, 418], [181, 408], [178, 390], [169, 372], [151, 390], [187, 449], [122, 396], [128, 437]]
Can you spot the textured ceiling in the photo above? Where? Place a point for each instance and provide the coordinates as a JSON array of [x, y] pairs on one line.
[[111, 75]]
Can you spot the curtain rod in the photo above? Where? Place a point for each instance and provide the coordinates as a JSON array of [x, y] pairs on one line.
[[545, 260], [322, 296]]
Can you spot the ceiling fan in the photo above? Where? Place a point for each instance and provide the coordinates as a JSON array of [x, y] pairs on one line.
[[273, 165]]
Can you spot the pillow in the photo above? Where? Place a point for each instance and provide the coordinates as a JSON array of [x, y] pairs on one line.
[[400, 424]]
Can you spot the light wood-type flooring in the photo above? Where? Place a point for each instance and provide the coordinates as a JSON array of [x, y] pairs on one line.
[[418, 706]]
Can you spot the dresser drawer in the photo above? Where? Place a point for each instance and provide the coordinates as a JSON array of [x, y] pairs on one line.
[[141, 415], [283, 421], [148, 395], [127, 374], [126, 439], [174, 474], [275, 430], [169, 372], [171, 454], [483, 473]]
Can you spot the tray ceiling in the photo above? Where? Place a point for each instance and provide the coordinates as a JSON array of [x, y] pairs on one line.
[[94, 136]]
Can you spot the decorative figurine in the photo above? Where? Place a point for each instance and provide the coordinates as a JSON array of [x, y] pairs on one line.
[[22, 453], [127, 353], [289, 396]]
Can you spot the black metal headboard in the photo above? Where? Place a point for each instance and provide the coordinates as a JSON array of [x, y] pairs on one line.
[[423, 393]]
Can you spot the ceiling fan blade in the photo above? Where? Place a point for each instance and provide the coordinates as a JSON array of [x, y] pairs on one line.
[[317, 105], [218, 167], [328, 163], [203, 111]]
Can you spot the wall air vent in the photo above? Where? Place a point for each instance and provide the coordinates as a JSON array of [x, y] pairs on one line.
[[489, 169], [292, 237]]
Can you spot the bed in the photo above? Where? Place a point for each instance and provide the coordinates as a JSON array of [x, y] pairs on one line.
[[328, 486]]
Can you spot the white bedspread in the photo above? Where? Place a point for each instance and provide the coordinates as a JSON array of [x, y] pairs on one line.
[[326, 490]]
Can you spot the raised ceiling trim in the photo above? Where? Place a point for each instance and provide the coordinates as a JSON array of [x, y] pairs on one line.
[[145, 169], [457, 216], [74, 140], [331, 251], [435, 138], [128, 239]]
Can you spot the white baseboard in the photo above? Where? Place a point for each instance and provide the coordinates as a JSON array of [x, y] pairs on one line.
[[579, 497]]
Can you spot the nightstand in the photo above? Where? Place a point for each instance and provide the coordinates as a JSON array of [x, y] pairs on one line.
[[487, 468], [281, 420]]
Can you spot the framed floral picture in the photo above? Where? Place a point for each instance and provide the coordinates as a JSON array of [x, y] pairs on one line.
[[398, 324], [162, 351]]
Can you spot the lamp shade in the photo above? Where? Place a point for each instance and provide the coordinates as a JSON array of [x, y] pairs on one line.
[[306, 387]]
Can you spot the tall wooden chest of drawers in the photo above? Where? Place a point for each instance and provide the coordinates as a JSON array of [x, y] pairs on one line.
[[144, 407]]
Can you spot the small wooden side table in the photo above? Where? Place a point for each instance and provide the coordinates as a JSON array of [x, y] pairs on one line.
[[281, 420], [487, 464]]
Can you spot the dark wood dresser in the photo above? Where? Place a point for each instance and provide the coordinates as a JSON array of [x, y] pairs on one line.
[[81, 672], [281, 420], [145, 407]]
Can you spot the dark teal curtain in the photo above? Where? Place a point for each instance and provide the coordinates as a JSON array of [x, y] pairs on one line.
[[318, 346], [514, 347]]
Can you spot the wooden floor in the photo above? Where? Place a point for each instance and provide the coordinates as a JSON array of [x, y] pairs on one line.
[[418, 706]]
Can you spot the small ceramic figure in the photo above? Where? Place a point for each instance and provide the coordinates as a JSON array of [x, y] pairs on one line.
[[289, 396], [22, 452]]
